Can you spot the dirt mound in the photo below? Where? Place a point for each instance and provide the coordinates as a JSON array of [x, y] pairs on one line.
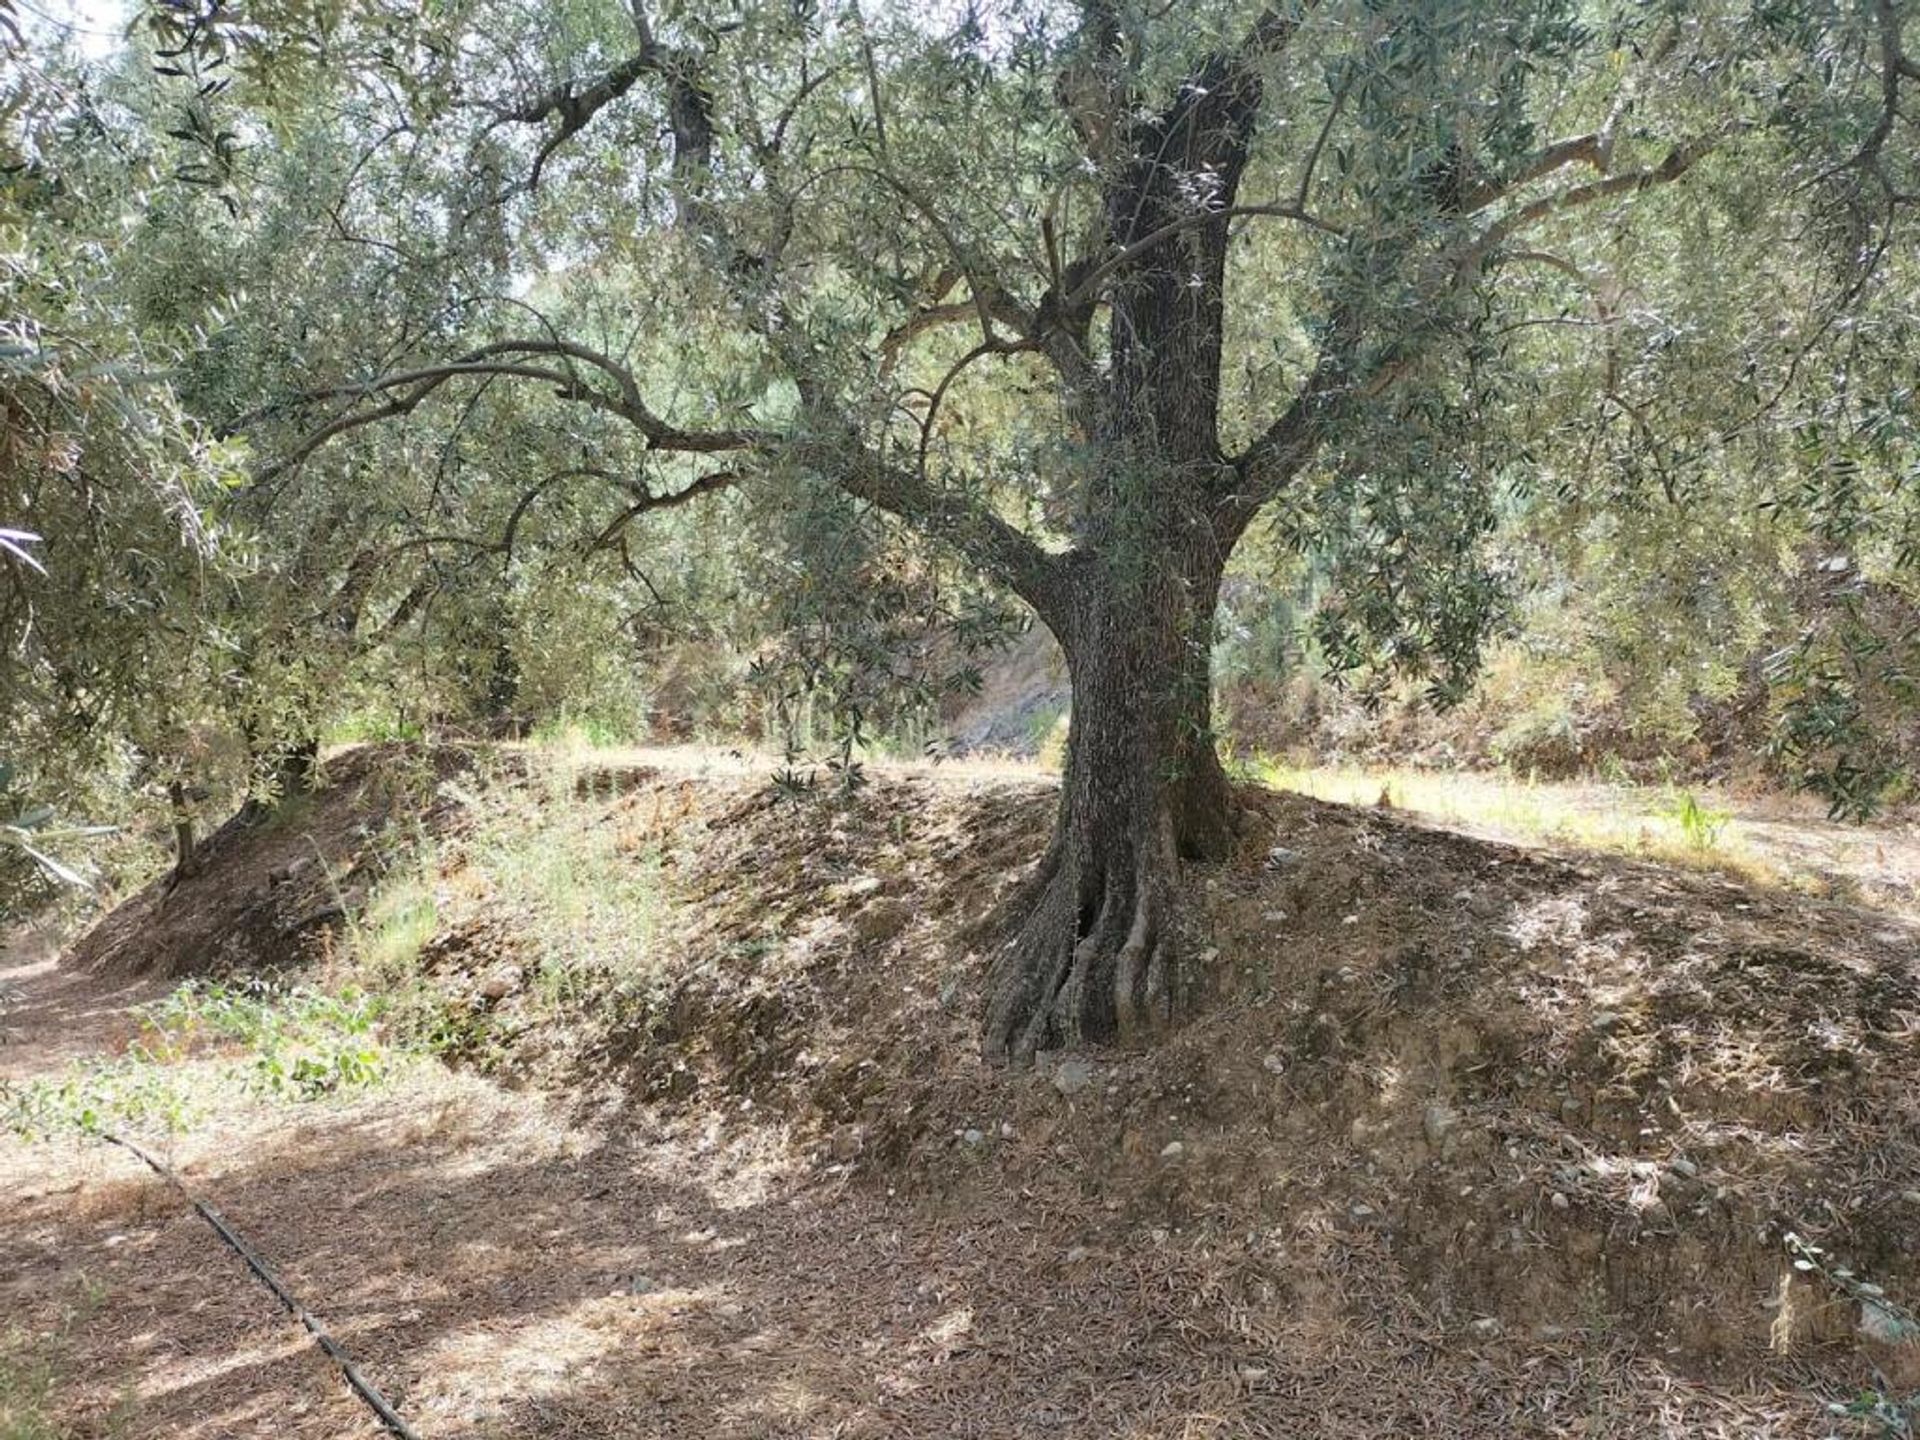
[[1436, 1105], [1022, 697], [1533, 1095], [269, 891]]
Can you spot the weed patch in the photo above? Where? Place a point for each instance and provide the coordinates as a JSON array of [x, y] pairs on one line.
[[213, 1042]]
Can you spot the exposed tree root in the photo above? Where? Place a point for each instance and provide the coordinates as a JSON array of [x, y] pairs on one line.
[[1092, 960]]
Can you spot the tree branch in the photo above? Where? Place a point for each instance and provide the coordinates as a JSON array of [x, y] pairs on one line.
[[948, 515], [406, 390], [577, 102], [1594, 149], [707, 484], [1680, 159]]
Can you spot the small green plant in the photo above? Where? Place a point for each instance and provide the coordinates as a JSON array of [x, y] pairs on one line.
[[26, 1390], [248, 1035], [1880, 1414], [374, 723], [1702, 827], [396, 925], [1886, 1417], [305, 1041], [135, 1089], [1896, 1321], [32, 1364]]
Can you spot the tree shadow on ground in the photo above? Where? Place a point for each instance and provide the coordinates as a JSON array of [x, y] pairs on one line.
[[498, 1277]]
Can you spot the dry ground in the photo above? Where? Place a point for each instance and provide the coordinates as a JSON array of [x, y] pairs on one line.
[[1463, 1140]]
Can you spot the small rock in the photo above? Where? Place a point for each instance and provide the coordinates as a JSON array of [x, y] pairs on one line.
[[1252, 1374], [1559, 1200], [1912, 1197], [1173, 1150], [1486, 1328], [1570, 1110], [1208, 955], [1072, 1076], [641, 1285], [972, 1137], [1362, 1211], [1275, 917], [1438, 1123], [1685, 1168], [1279, 857], [1273, 1064], [1885, 1325], [500, 983], [847, 1142], [1077, 1254], [1606, 1020], [1006, 1130]]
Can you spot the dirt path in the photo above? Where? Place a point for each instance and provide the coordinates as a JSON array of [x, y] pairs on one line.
[[501, 1272], [50, 1017]]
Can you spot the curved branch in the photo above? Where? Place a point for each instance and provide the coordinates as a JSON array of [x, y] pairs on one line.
[[706, 485], [1680, 159], [406, 390], [950, 516]]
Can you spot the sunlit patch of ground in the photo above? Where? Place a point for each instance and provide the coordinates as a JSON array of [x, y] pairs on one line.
[[495, 1283], [1772, 839]]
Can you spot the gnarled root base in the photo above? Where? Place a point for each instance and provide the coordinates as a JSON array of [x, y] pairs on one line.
[[1093, 959]]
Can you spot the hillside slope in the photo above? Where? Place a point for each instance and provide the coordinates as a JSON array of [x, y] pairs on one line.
[[1455, 1138]]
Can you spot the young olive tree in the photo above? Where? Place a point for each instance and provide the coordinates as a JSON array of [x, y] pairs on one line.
[[1077, 290]]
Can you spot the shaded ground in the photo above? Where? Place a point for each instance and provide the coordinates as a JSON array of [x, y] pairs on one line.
[[52, 1014], [271, 892], [499, 1273], [1463, 1141]]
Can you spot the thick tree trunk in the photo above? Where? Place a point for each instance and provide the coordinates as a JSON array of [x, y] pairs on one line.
[[1097, 957]]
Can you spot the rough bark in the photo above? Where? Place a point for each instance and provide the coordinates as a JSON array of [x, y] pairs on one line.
[[1097, 956]]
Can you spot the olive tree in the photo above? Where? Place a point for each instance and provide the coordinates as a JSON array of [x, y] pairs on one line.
[[1080, 291]]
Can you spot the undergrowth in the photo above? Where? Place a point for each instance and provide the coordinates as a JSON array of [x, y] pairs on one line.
[[560, 910], [26, 1389], [31, 1367], [212, 1042]]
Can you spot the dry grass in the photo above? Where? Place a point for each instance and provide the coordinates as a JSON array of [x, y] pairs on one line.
[[1772, 840]]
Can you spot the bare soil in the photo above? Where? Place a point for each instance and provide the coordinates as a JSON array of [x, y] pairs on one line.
[[271, 891], [1457, 1139]]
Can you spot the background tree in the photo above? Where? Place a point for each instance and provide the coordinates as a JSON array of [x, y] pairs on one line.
[[1077, 293], [109, 655]]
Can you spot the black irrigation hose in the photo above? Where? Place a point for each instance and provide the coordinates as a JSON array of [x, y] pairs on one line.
[[357, 1382]]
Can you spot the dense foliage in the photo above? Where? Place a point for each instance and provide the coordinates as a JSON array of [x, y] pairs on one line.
[[380, 365]]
